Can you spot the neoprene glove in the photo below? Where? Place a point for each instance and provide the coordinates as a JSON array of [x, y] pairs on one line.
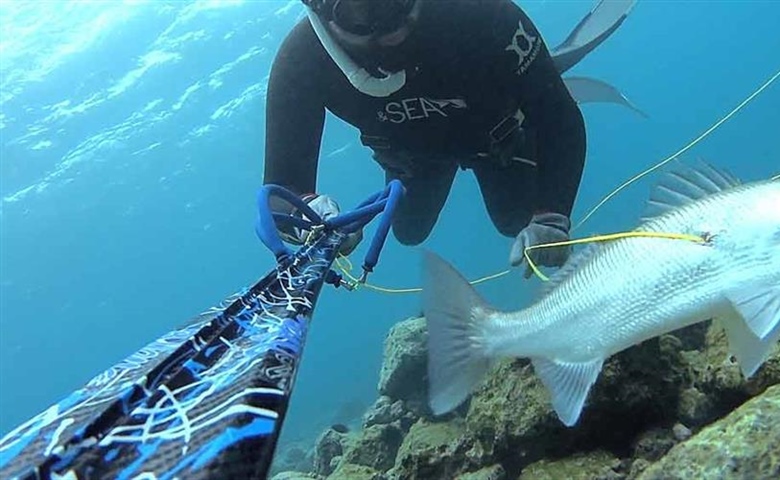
[[543, 228], [326, 207]]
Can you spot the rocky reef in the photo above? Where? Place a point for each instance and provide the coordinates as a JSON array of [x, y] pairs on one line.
[[674, 407]]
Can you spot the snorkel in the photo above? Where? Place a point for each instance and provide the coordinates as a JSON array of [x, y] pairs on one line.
[[358, 77]]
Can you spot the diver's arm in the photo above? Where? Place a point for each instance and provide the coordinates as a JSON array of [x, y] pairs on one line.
[[295, 116], [523, 68], [561, 147]]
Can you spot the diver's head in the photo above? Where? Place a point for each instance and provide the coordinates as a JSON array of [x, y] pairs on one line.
[[369, 40], [367, 24]]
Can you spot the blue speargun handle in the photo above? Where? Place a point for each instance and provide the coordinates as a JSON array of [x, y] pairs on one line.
[[384, 202]]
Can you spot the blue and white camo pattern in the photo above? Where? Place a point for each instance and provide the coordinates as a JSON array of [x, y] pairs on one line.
[[204, 401]]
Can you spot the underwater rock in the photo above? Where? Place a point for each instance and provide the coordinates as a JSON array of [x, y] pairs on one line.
[[637, 467], [717, 385], [493, 472], [340, 428], [743, 445], [431, 450], [693, 337], [380, 413], [681, 432], [294, 476], [349, 471], [511, 413], [638, 388], [330, 445], [595, 465], [650, 386], [375, 447], [293, 457], [646, 401], [695, 408], [719, 380], [349, 413], [403, 374], [654, 443], [512, 422], [385, 411]]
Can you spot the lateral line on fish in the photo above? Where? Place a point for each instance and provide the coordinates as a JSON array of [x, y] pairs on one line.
[[608, 237]]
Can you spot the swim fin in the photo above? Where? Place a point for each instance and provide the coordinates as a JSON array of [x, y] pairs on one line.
[[591, 90], [592, 30]]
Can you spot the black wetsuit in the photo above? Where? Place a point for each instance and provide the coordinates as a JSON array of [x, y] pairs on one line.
[[469, 65]]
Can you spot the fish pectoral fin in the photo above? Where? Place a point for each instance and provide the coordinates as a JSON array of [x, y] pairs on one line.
[[568, 383], [759, 306], [749, 350]]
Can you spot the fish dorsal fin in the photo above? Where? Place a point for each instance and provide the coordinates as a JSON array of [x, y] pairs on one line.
[[571, 266], [685, 185]]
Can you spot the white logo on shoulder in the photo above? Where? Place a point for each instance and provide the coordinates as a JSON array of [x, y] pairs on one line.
[[526, 46], [419, 108]]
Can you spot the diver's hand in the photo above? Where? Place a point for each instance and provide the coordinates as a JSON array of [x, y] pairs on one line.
[[543, 228], [326, 207], [323, 205]]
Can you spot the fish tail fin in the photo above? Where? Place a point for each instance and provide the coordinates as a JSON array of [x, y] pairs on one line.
[[457, 342], [460, 350]]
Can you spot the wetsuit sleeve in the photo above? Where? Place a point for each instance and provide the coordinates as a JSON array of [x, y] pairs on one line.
[[295, 115], [525, 76]]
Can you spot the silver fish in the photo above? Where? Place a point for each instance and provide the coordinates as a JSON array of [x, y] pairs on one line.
[[617, 294]]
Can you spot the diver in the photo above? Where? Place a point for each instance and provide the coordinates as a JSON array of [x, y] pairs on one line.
[[434, 87]]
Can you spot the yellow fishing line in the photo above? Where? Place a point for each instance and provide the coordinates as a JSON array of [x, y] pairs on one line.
[[679, 152], [346, 266], [606, 238], [355, 282]]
